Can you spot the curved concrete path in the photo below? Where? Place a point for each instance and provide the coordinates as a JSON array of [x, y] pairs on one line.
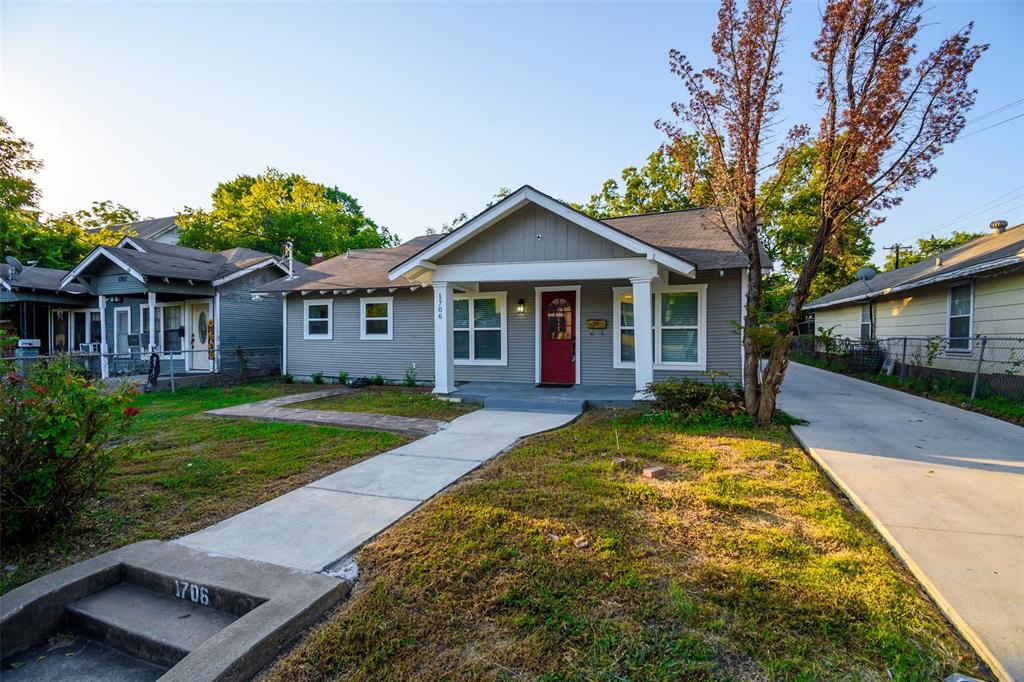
[[945, 486], [323, 523]]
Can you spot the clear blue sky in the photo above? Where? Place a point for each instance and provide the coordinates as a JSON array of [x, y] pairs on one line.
[[422, 111]]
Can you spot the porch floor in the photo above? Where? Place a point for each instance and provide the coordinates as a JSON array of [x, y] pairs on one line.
[[525, 397]]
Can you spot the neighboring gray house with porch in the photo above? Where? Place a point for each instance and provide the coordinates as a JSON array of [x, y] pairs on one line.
[[31, 298], [185, 304], [530, 291]]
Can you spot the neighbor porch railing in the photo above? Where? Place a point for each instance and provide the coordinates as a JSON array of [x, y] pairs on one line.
[[173, 369]]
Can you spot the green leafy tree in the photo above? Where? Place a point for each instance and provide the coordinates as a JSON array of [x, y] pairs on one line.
[[929, 247], [791, 205], [659, 185], [263, 212]]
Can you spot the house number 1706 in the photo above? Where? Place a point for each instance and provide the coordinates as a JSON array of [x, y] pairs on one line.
[[197, 594]]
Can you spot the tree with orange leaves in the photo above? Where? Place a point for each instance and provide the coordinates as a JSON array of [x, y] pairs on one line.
[[887, 116]]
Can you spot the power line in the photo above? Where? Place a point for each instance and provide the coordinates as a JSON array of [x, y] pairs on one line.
[[981, 130], [996, 111], [984, 206]]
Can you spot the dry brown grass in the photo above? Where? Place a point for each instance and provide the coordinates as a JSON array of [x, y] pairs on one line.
[[744, 563]]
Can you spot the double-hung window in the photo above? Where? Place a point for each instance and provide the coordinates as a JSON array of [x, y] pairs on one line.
[[679, 327], [479, 326], [317, 319], [960, 309], [867, 321], [375, 318]]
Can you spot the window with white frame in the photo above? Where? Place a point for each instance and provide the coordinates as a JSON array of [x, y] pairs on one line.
[[168, 323], [122, 328], [375, 317], [867, 321], [679, 326], [144, 326], [479, 326], [317, 319], [960, 309]]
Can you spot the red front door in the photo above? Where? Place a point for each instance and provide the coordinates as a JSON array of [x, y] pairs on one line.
[[558, 337]]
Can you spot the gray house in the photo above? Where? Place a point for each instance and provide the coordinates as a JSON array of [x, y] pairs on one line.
[[185, 304], [530, 291], [33, 305]]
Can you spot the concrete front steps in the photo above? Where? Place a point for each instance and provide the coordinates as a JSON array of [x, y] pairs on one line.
[[531, 398], [157, 610]]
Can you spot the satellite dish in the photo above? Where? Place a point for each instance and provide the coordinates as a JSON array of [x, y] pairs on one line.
[[866, 273], [15, 264]]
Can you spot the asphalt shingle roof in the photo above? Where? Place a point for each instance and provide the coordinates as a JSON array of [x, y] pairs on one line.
[[45, 279], [146, 229], [987, 252], [180, 262], [355, 269]]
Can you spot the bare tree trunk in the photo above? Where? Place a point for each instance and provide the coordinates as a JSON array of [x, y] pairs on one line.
[[751, 350], [778, 361]]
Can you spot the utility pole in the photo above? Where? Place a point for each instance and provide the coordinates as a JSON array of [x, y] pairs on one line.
[[895, 247]]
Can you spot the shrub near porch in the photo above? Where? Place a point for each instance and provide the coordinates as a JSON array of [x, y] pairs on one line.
[[178, 470], [555, 562]]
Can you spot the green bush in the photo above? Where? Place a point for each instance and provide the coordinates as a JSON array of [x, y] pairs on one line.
[[377, 380], [691, 398], [410, 376], [317, 377], [55, 425], [288, 378], [342, 378]]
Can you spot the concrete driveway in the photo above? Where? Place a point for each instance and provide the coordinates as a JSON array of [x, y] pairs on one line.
[[943, 485]]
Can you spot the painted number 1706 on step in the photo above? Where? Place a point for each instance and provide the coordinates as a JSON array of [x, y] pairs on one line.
[[197, 594]]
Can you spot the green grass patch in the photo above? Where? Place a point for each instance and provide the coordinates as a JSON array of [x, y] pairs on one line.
[[178, 470], [394, 400], [554, 563]]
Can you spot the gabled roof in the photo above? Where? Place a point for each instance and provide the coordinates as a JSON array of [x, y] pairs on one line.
[[990, 252], [143, 258], [355, 269], [146, 229], [421, 261], [34, 277]]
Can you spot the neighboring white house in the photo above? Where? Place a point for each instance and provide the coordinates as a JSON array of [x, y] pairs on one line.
[[971, 291], [529, 291]]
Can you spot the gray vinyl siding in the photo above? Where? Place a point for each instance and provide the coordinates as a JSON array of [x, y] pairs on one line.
[[414, 335], [245, 322], [412, 342], [515, 240], [111, 280]]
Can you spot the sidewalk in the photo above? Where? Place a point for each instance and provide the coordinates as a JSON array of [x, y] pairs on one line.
[[323, 523], [944, 486]]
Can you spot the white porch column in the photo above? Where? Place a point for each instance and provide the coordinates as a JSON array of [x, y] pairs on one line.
[[643, 324], [151, 300], [444, 339], [104, 363]]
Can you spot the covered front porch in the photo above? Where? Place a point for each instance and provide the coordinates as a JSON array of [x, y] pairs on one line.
[[503, 395]]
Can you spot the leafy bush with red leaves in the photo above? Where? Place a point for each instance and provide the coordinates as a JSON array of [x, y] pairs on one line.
[[55, 426]]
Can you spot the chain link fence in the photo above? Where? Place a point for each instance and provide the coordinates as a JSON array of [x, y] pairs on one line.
[[978, 367], [175, 369]]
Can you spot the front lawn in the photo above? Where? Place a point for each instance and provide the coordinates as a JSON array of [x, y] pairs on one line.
[[178, 471], [394, 400], [554, 562]]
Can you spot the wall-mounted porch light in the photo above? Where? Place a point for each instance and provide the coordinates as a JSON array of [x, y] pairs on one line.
[[521, 306]]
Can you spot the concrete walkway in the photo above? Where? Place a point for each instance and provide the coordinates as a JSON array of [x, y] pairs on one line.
[[323, 523], [274, 410], [945, 487]]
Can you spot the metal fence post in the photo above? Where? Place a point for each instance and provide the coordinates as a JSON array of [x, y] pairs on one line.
[[903, 362], [977, 368], [171, 359]]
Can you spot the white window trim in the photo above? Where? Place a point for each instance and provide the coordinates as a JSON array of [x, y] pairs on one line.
[[502, 304], [144, 320], [870, 307], [329, 302], [363, 302], [118, 309], [970, 318], [72, 326], [702, 327]]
